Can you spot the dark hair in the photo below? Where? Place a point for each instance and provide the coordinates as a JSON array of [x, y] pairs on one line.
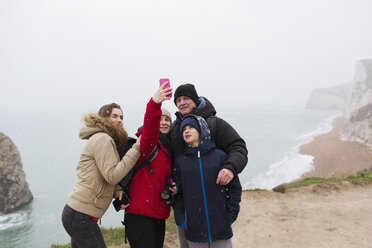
[[106, 110]]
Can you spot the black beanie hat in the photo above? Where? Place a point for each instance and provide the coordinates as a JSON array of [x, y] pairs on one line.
[[186, 90]]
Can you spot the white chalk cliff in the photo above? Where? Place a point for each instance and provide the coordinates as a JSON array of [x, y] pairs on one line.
[[329, 98], [358, 111]]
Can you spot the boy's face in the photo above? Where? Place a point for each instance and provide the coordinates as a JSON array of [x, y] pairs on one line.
[[191, 136]]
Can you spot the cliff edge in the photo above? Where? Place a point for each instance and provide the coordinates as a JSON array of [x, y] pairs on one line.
[[14, 190], [358, 110], [329, 98]]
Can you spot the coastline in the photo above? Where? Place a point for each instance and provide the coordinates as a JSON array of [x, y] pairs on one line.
[[333, 157]]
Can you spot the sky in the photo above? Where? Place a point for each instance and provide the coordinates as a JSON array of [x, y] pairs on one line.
[[70, 52]]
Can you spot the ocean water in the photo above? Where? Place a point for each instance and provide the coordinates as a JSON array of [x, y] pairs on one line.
[[47, 139]]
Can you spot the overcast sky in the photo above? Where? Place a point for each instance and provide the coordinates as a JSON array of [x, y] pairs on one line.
[[83, 52]]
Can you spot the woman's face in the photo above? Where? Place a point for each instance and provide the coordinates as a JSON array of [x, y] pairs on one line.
[[116, 116], [165, 124]]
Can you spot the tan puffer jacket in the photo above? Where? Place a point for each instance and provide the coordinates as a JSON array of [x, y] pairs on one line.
[[99, 168]]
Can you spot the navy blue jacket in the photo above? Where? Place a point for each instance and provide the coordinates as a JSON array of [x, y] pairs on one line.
[[205, 209]]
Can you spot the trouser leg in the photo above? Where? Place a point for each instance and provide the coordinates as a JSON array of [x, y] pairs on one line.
[[84, 232], [215, 244], [143, 231], [182, 237]]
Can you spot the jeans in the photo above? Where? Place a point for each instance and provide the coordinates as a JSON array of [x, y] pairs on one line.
[[84, 231]]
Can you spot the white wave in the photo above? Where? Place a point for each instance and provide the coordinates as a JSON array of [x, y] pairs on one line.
[[293, 165], [12, 220]]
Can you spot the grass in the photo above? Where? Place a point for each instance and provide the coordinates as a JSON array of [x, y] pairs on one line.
[[112, 236], [361, 177], [115, 236]]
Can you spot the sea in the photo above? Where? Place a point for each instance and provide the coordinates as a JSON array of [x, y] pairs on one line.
[[47, 139]]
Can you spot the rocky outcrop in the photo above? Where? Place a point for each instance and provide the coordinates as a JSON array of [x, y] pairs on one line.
[[14, 190], [358, 111], [329, 98]]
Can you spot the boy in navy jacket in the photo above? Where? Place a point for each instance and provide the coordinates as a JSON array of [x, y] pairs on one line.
[[204, 208]]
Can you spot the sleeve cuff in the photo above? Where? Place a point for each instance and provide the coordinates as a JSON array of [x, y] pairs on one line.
[[183, 225]]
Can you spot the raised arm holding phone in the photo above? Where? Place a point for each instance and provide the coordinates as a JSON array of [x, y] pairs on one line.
[[147, 211]]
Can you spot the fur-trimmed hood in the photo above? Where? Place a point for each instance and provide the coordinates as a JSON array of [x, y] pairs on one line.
[[95, 123]]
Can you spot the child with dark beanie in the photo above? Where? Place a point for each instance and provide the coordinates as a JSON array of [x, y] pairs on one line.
[[204, 209]]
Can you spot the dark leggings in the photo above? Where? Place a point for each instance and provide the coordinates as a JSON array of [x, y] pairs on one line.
[[143, 231], [84, 231]]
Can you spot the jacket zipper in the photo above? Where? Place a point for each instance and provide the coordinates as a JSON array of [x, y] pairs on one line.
[[205, 197], [99, 193]]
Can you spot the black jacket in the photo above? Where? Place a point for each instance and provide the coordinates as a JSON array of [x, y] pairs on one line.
[[223, 134], [205, 209]]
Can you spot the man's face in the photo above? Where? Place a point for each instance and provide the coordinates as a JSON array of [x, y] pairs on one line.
[[185, 105]]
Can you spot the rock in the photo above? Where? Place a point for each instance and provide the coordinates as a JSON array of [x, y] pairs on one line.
[[329, 98], [14, 190], [280, 188], [358, 111]]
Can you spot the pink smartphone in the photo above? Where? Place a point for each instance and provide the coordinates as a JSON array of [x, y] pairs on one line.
[[163, 80]]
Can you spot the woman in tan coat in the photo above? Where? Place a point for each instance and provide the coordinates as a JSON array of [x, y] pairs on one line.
[[102, 165]]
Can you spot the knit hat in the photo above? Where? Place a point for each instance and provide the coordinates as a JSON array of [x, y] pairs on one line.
[[166, 113], [186, 90], [190, 121]]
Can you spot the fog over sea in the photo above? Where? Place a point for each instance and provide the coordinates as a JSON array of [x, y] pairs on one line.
[[47, 139]]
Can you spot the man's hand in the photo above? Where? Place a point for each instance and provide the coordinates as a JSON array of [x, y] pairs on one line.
[[224, 177]]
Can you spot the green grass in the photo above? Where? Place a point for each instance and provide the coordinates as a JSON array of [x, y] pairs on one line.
[[115, 236], [112, 236], [361, 177]]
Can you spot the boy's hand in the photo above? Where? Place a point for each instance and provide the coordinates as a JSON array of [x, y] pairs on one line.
[[224, 177]]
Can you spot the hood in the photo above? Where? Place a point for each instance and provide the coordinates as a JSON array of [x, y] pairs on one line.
[[204, 109], [95, 123], [206, 142]]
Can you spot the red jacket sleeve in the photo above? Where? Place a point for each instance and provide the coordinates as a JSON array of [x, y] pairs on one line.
[[151, 127]]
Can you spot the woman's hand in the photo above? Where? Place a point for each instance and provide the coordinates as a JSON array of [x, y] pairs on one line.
[[138, 141], [162, 94]]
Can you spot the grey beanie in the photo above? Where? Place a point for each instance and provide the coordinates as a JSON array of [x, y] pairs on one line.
[[166, 113]]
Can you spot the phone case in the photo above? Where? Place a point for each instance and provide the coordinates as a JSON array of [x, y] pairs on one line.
[[163, 80]]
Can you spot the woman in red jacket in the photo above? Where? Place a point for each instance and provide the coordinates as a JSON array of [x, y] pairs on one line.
[[146, 214]]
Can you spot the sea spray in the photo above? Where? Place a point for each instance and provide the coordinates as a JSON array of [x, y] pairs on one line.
[[12, 220], [293, 165]]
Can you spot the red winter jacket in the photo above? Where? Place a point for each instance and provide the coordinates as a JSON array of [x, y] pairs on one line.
[[145, 187]]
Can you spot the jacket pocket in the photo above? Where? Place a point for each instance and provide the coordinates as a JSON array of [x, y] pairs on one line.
[[99, 192]]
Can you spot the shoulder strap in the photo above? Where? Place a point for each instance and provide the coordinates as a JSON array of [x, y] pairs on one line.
[[147, 161]]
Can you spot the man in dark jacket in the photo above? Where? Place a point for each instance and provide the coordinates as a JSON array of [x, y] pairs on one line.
[[223, 134]]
